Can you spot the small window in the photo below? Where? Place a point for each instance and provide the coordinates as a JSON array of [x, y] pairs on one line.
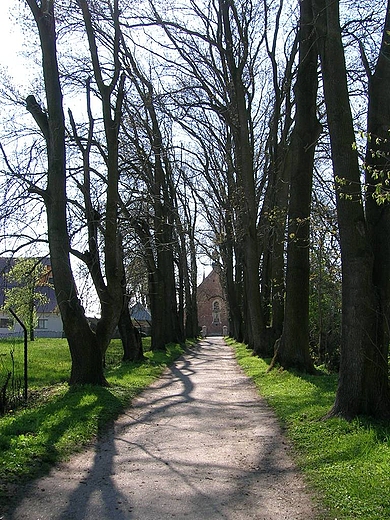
[[42, 323], [6, 323], [216, 312]]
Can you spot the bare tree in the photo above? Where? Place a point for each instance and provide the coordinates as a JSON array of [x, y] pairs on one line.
[[293, 348], [86, 355], [157, 229], [87, 348], [216, 55]]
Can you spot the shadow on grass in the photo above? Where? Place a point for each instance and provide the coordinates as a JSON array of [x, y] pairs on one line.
[[326, 386], [292, 393], [38, 437], [34, 439], [99, 474]]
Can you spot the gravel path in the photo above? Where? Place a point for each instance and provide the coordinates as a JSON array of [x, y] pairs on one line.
[[197, 444]]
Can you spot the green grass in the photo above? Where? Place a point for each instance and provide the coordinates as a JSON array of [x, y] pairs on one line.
[[64, 419], [347, 463], [48, 360]]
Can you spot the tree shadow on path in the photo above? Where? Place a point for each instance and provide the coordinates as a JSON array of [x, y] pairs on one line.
[[198, 443]]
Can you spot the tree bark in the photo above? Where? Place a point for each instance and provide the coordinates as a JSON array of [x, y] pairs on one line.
[[130, 337], [239, 122], [160, 249], [273, 219], [357, 391], [86, 348], [232, 280], [110, 291], [293, 348], [378, 219], [87, 358]]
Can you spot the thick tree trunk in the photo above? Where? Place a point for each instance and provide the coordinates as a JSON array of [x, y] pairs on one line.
[[172, 330], [293, 349], [378, 220], [160, 307], [163, 309], [254, 320], [357, 391], [86, 354]]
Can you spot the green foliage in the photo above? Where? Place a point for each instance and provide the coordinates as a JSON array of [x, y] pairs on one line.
[[376, 167], [58, 420], [347, 463], [27, 275]]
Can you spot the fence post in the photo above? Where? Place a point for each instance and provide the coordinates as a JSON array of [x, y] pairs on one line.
[[25, 350]]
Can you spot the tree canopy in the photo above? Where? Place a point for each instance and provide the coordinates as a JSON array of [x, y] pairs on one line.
[[161, 132]]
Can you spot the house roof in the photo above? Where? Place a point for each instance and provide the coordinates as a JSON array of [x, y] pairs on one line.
[[139, 313]]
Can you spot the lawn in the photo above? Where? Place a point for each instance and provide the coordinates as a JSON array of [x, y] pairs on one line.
[[346, 463], [48, 361]]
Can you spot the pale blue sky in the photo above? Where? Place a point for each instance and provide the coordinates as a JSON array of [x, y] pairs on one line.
[[11, 39]]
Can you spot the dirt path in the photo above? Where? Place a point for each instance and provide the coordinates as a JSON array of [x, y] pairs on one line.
[[198, 444]]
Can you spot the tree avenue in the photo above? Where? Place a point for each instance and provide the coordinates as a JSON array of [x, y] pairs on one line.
[[230, 129]]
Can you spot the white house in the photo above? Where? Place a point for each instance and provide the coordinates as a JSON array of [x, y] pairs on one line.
[[49, 319]]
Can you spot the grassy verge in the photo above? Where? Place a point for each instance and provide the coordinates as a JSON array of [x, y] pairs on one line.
[[347, 463], [63, 420]]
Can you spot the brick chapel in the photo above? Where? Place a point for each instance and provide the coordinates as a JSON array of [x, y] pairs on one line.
[[212, 307]]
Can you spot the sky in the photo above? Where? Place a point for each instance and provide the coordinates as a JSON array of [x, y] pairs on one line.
[[11, 39], [11, 46]]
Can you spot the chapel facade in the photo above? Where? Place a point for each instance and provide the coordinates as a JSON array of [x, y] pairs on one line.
[[212, 306]]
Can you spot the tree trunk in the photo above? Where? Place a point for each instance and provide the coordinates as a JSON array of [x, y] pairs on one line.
[[161, 266], [357, 392], [110, 292], [233, 293], [378, 220], [230, 250], [293, 349], [272, 231], [190, 283], [130, 337], [86, 352], [161, 328], [239, 122]]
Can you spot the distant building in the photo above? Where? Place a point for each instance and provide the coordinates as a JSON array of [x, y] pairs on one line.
[[212, 307], [141, 318], [49, 319]]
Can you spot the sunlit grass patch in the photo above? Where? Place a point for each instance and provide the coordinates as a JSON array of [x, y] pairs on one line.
[[48, 360]]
